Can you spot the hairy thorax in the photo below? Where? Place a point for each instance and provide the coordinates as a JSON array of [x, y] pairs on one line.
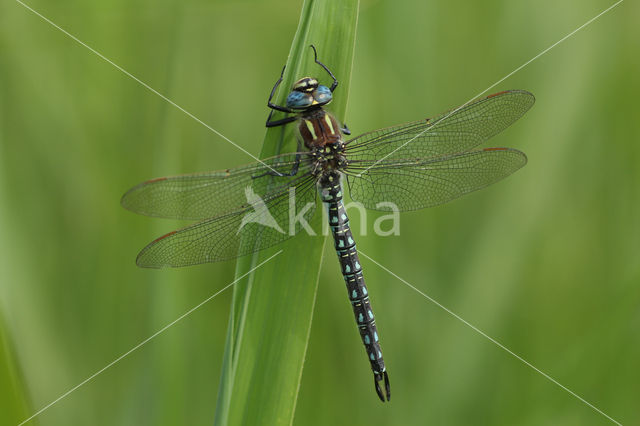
[[319, 129]]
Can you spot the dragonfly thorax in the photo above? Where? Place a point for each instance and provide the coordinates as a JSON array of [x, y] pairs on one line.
[[318, 129], [329, 159]]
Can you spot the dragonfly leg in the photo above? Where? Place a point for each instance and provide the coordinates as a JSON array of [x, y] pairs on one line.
[[273, 92], [296, 165], [275, 123], [377, 378], [292, 172], [335, 80], [345, 129]]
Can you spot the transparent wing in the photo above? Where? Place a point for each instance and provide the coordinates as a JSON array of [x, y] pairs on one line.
[[204, 195], [262, 222], [452, 132], [421, 183]]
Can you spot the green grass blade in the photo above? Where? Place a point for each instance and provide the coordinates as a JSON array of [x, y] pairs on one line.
[[15, 407], [272, 308]]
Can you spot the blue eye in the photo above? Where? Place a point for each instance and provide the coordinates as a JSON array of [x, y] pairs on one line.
[[299, 100], [322, 95]]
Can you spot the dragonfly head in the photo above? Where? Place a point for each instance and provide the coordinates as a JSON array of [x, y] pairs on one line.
[[307, 93]]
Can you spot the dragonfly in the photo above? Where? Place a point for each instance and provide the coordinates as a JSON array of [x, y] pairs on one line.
[[415, 165]]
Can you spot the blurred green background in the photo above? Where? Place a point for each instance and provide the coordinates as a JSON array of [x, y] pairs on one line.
[[546, 262]]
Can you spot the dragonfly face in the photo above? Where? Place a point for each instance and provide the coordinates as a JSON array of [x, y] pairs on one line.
[[414, 165], [307, 93]]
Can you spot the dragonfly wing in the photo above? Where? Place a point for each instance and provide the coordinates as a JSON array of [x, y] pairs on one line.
[[412, 185], [452, 132], [205, 195], [264, 222]]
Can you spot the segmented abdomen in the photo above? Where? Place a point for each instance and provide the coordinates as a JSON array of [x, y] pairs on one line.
[[345, 246]]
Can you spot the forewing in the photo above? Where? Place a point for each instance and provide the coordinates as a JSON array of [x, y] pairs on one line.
[[452, 132], [412, 185], [264, 222], [205, 195]]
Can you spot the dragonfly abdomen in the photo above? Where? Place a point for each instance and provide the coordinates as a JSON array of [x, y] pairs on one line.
[[352, 272]]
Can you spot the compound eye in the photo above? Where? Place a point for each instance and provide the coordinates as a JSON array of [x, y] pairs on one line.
[[305, 84], [322, 95], [299, 100]]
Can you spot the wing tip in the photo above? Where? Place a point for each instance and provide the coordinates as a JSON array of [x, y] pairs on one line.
[[125, 200], [129, 196], [142, 260], [514, 92], [521, 154]]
